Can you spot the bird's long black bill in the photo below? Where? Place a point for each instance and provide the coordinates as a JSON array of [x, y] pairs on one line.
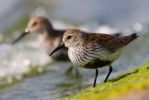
[[20, 37], [57, 48]]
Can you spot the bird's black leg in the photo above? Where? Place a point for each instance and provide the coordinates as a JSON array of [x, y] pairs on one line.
[[95, 78], [110, 70]]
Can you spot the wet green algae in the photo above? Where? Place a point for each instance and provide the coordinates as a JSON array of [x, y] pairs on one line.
[[136, 78]]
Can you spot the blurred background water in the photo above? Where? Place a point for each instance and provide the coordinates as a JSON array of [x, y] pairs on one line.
[[27, 73]]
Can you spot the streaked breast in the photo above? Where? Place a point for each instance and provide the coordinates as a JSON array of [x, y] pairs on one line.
[[83, 56]]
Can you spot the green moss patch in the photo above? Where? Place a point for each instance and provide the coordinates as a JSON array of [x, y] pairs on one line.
[[134, 79]]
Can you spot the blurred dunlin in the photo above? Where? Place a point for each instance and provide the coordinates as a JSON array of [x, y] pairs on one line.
[[93, 50], [49, 37]]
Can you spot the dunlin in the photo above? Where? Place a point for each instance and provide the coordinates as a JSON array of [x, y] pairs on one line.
[[94, 50], [48, 37]]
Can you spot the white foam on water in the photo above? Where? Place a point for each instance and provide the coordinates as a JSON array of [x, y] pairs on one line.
[[15, 61]]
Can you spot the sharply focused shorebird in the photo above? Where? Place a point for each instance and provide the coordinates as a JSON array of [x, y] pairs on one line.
[[94, 50], [48, 37]]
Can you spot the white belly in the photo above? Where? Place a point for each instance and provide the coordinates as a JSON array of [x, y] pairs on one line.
[[75, 54]]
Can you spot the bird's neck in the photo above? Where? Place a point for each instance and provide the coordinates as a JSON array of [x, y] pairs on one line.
[[49, 30]]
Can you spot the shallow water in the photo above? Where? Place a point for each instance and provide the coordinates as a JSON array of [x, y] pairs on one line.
[[51, 82], [27, 73]]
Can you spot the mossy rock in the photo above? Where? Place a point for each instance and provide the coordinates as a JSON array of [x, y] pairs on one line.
[[135, 79]]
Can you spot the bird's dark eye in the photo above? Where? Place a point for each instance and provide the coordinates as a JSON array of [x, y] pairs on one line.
[[68, 37], [35, 23]]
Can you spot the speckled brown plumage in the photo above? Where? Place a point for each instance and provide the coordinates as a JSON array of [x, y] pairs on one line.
[[48, 37], [94, 50]]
